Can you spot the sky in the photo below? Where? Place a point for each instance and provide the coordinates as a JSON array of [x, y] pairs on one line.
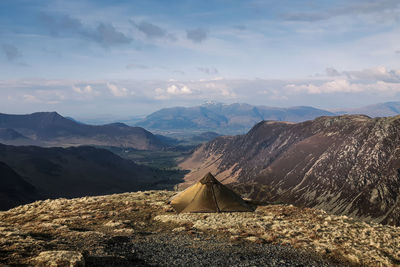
[[127, 58]]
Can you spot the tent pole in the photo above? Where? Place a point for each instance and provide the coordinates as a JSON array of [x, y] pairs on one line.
[[215, 199]]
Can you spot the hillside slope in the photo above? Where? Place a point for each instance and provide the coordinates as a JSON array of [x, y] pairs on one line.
[[347, 165], [52, 129], [14, 189], [224, 119], [12, 137], [72, 172]]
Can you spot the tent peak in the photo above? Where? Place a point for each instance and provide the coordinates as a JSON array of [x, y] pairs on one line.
[[209, 179]]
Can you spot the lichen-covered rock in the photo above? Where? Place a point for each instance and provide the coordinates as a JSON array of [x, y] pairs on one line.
[[59, 259], [358, 242], [179, 229]]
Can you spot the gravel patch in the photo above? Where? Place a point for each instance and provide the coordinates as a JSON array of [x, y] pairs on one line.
[[198, 250]]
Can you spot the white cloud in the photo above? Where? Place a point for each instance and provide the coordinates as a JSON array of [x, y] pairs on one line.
[[379, 73], [30, 99], [345, 86], [274, 94], [175, 90], [228, 93], [172, 90], [211, 85], [186, 90], [341, 88], [220, 87], [42, 96], [117, 91], [88, 89], [160, 94], [334, 86]]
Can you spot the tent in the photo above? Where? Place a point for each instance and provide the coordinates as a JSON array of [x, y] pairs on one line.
[[208, 195]]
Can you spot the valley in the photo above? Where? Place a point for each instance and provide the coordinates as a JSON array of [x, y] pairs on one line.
[[31, 173], [163, 159]]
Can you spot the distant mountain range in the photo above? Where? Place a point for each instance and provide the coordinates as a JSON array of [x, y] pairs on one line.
[[378, 110], [239, 118], [346, 165], [28, 173], [187, 124], [52, 129], [222, 118]]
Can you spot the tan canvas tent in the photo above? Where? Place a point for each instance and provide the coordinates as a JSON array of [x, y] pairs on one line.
[[208, 195]]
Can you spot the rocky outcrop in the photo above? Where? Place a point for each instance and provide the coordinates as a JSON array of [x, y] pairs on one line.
[[346, 165]]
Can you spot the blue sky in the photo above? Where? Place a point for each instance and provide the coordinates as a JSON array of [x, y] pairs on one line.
[[133, 57]]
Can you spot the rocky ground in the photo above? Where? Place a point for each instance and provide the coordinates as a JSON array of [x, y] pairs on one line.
[[141, 229]]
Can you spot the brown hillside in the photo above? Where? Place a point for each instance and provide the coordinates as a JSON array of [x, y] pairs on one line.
[[346, 165]]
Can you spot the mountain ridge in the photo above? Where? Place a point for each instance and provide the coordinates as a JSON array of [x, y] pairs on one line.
[[347, 165], [385, 109], [224, 118], [52, 129]]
